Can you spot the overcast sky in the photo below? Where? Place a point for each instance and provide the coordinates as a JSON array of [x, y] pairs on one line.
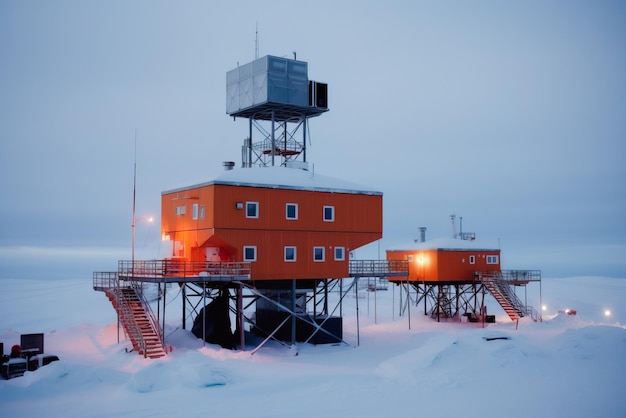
[[510, 114]]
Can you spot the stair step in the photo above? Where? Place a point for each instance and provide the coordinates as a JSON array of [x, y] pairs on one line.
[[136, 322]]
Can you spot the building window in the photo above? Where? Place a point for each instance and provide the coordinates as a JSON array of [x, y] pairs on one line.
[[249, 253], [340, 253], [290, 253], [318, 253], [202, 212], [194, 211], [472, 259], [252, 209], [492, 259], [329, 213], [291, 211], [180, 210]]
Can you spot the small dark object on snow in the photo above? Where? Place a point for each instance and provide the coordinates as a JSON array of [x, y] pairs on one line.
[[216, 323], [496, 338]]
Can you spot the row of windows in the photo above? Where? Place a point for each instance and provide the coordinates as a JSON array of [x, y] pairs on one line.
[[198, 211], [291, 211], [491, 259], [290, 253], [252, 211]]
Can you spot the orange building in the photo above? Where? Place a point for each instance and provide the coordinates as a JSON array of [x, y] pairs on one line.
[[288, 223], [447, 260]]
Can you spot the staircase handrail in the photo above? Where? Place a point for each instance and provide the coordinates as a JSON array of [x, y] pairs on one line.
[[510, 295], [503, 286], [128, 320], [110, 282], [533, 313], [154, 323]]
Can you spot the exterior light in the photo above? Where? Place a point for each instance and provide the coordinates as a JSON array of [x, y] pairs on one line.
[[544, 308], [135, 220], [607, 313]]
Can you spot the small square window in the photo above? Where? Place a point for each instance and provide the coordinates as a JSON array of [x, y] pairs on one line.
[[202, 212], [492, 259], [180, 210], [249, 253], [340, 253], [318, 253], [290, 253], [472, 259], [252, 209], [194, 211], [329, 213], [291, 210]]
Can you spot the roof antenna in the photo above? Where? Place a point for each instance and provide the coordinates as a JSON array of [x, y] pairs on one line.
[[256, 42], [453, 218], [294, 55]]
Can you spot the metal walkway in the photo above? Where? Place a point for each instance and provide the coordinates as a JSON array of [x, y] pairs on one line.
[[201, 277]]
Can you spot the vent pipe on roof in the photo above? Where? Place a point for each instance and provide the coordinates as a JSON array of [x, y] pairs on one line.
[[453, 219], [422, 234], [228, 165]]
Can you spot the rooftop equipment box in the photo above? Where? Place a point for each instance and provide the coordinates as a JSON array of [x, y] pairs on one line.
[[267, 80]]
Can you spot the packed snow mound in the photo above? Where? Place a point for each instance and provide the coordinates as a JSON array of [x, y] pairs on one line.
[[567, 365]]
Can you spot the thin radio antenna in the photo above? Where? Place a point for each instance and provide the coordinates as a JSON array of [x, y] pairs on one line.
[[134, 200], [256, 42]]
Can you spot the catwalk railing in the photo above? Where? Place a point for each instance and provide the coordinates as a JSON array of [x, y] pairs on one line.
[[142, 269], [520, 276], [215, 270], [378, 268]]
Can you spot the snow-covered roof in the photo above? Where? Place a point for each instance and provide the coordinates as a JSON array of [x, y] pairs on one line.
[[281, 178], [452, 244]]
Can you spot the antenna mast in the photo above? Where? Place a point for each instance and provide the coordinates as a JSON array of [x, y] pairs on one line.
[[256, 42], [134, 202]]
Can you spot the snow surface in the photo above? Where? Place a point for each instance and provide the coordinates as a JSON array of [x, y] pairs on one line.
[[565, 366], [283, 178]]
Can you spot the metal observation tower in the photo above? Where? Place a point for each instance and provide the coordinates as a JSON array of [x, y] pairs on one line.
[[277, 97]]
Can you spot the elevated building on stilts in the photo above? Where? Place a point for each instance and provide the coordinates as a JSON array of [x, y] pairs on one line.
[[450, 277], [266, 242]]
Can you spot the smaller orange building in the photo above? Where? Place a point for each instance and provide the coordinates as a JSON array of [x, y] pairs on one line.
[[447, 260], [287, 223]]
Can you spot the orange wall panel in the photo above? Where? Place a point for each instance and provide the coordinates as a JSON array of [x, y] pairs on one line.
[[358, 221], [445, 265]]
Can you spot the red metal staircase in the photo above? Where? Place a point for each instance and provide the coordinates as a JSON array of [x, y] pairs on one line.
[[136, 317], [504, 294]]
